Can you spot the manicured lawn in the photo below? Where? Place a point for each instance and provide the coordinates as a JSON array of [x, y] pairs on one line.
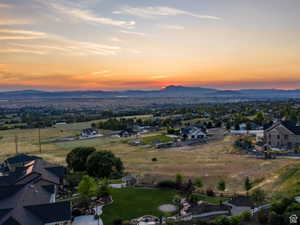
[[131, 203], [151, 140], [214, 200]]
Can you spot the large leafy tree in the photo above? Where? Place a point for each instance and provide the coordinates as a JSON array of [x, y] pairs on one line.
[[76, 159], [104, 164]]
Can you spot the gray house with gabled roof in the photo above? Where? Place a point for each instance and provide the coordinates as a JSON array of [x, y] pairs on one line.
[[27, 193], [282, 135]]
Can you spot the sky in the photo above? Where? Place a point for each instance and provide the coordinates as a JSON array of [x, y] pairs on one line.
[[143, 44]]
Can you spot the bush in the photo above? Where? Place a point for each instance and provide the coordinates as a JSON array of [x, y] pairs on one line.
[[262, 217], [276, 219], [167, 184], [154, 159], [118, 221], [223, 220], [210, 192], [245, 216]]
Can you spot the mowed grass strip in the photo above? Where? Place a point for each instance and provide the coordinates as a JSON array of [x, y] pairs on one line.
[[130, 203]]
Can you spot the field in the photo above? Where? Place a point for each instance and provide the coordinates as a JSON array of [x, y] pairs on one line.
[[212, 161], [128, 202]]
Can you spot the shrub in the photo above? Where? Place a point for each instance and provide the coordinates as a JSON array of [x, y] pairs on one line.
[[210, 192], [245, 216], [223, 220], [166, 184], [154, 159], [262, 217], [118, 221], [276, 219]]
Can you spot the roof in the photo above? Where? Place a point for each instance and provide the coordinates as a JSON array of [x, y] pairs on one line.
[[290, 125], [48, 213], [21, 158], [25, 196]]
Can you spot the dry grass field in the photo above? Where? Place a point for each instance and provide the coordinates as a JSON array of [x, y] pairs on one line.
[[212, 161]]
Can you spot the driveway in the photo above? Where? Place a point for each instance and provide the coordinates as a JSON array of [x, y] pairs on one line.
[[237, 209], [87, 220]]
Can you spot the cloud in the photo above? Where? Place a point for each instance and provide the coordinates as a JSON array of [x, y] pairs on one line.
[[65, 46], [19, 50], [88, 16], [100, 72], [133, 33], [159, 77], [171, 27], [14, 22], [155, 12], [115, 39], [7, 34], [2, 5]]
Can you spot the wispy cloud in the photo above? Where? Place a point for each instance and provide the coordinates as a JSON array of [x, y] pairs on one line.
[[102, 72], [115, 39], [158, 77], [15, 21], [7, 34], [133, 33], [66, 46], [171, 27], [19, 50], [3, 5], [160, 11], [88, 16]]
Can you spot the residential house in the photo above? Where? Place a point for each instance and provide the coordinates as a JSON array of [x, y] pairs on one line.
[[88, 132], [192, 133], [28, 193], [282, 135]]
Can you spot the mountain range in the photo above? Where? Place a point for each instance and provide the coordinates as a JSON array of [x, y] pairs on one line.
[[168, 92]]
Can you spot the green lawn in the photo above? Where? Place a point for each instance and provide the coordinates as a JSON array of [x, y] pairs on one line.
[[214, 200], [131, 203], [151, 140]]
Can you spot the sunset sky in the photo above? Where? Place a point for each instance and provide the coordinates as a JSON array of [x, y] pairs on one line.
[[149, 44]]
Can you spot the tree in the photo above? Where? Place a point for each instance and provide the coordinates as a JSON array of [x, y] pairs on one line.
[[177, 202], [221, 185], [103, 190], [198, 182], [178, 180], [258, 196], [87, 187], [104, 164], [76, 159], [247, 184], [259, 118]]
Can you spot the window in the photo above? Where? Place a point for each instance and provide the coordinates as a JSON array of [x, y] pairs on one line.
[[278, 136], [286, 137]]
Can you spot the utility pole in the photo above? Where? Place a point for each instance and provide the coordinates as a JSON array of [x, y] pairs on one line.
[[39, 136], [16, 144]]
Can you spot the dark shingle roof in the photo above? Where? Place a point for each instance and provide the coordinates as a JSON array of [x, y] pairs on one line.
[[11, 221], [4, 212], [25, 195], [21, 158], [52, 212], [292, 126]]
